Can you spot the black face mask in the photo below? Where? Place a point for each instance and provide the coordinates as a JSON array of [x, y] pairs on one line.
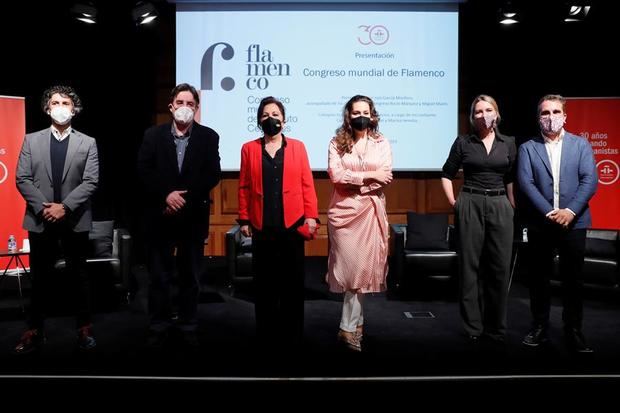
[[360, 123], [271, 126]]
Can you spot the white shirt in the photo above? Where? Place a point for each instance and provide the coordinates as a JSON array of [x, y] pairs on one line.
[[60, 136], [554, 151]]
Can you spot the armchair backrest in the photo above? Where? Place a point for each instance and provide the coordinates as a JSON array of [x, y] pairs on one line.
[[109, 253], [427, 232], [602, 243], [602, 257], [601, 267], [102, 242]]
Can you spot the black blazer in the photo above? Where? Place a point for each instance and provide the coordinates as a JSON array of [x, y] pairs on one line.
[[159, 174]]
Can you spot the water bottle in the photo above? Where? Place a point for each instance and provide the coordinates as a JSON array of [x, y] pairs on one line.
[[12, 243]]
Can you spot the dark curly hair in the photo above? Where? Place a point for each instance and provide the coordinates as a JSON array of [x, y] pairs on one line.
[[344, 134], [64, 91], [266, 101]]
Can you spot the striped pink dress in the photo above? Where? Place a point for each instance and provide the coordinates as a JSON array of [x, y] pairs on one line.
[[357, 219]]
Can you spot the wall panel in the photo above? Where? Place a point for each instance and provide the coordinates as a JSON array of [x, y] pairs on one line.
[[410, 191]]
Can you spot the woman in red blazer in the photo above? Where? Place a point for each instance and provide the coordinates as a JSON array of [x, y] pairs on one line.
[[277, 203]]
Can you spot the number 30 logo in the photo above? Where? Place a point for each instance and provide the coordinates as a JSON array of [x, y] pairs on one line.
[[376, 34]]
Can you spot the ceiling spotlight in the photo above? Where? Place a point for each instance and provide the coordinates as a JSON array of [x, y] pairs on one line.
[[144, 12], [86, 13], [508, 18], [508, 14], [577, 13]]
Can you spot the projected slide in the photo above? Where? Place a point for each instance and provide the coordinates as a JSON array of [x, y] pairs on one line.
[[314, 61]]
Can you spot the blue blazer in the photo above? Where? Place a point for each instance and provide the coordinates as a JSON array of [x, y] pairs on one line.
[[578, 177]]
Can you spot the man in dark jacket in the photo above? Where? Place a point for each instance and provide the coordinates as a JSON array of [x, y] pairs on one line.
[[178, 164]]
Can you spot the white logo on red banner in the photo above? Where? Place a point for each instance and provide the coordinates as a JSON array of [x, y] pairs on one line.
[[4, 172], [607, 171]]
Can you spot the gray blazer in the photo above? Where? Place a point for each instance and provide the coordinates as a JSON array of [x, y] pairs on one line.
[[79, 181]]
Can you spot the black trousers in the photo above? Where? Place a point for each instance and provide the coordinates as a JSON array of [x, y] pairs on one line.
[[485, 233], [45, 249], [278, 264], [543, 241], [163, 265]]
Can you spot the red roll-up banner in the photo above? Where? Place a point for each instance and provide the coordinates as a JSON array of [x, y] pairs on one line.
[[596, 119], [12, 131]]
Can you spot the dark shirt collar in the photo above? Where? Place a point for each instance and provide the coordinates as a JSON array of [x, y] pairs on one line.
[[262, 141], [498, 136]]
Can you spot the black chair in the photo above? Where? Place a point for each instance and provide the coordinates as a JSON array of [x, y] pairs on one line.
[[238, 258], [108, 263], [428, 256], [601, 270]]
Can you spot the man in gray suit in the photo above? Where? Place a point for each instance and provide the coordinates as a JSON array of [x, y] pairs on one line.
[[557, 174], [57, 174]]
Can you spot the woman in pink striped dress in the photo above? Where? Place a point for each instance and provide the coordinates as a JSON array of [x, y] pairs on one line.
[[360, 165]]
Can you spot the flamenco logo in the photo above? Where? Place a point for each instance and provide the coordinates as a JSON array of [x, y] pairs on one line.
[[260, 67], [206, 67], [607, 171]]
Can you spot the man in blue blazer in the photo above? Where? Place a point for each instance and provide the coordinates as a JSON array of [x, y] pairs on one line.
[[557, 174]]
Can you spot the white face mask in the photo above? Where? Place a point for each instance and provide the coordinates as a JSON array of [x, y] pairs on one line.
[[61, 115], [184, 115], [551, 124], [487, 121]]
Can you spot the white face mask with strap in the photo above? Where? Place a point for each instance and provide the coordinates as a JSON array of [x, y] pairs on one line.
[[61, 115], [184, 115]]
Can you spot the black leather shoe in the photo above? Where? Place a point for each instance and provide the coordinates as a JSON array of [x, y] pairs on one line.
[[576, 341], [190, 339], [31, 341], [157, 339], [85, 339], [473, 338], [536, 337], [493, 339]]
